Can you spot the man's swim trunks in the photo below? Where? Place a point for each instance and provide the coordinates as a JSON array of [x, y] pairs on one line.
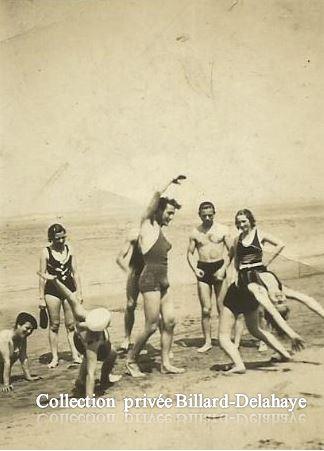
[[209, 269]]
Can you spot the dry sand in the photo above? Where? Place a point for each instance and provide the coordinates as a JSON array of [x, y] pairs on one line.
[[23, 425]]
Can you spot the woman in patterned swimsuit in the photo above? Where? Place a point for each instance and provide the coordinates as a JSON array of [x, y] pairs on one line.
[[58, 260]]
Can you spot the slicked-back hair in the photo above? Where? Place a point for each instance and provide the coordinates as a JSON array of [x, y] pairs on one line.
[[206, 204], [248, 214], [164, 201]]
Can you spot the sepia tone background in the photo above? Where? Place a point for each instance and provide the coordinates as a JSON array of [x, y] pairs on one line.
[[101, 102]]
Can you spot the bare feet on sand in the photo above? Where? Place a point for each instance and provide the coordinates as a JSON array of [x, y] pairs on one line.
[[53, 363], [170, 369], [207, 347], [235, 370], [133, 369]]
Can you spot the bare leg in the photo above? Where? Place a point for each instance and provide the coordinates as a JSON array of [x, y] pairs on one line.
[[238, 330], [152, 300], [227, 320], [106, 369], [220, 288], [310, 302], [204, 294], [79, 312], [168, 323], [80, 383], [53, 307], [252, 322], [70, 328], [262, 297], [132, 292]]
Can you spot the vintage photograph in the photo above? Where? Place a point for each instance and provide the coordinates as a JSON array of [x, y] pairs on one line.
[[162, 224]]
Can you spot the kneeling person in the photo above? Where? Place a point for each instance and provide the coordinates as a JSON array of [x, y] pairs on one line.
[[13, 346]]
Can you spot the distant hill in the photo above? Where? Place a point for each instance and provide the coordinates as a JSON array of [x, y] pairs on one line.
[[106, 202], [95, 204]]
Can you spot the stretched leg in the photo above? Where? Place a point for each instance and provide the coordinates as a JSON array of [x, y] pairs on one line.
[[238, 330], [168, 323], [132, 292], [53, 307], [253, 325], [227, 320], [310, 302], [260, 293], [79, 312], [70, 327], [204, 294], [152, 300], [106, 369], [80, 383], [220, 288], [265, 326]]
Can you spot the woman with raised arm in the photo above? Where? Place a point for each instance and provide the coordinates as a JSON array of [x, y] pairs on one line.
[[250, 290], [58, 260], [153, 282]]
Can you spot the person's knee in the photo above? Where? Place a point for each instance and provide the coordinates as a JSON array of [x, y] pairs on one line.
[[70, 327], [131, 305], [54, 326], [169, 323], [152, 327], [206, 312], [254, 330]]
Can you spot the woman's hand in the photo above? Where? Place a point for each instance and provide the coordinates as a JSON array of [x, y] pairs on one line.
[[46, 276], [297, 343]]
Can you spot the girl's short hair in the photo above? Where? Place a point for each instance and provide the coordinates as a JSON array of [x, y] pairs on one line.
[[53, 230], [248, 214]]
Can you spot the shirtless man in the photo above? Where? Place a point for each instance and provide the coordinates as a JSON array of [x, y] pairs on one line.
[[211, 240], [13, 346], [133, 271]]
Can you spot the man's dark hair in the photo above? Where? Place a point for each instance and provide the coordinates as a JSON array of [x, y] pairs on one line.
[[248, 214], [206, 204], [24, 317], [164, 201]]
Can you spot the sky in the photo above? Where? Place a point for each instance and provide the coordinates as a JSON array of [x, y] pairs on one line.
[[121, 96]]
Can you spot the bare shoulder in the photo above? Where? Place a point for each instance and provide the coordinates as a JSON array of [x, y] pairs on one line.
[[223, 229], [133, 234], [5, 336], [70, 247], [44, 253], [194, 233]]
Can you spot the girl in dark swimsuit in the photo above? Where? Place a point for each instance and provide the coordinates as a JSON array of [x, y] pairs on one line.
[[250, 291], [153, 282], [58, 260]]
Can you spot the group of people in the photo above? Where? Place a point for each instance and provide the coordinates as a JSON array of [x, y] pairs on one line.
[[234, 269]]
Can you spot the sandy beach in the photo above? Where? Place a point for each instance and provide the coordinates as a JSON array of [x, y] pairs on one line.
[[96, 243]]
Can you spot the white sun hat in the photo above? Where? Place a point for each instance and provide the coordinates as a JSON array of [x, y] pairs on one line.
[[98, 319]]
